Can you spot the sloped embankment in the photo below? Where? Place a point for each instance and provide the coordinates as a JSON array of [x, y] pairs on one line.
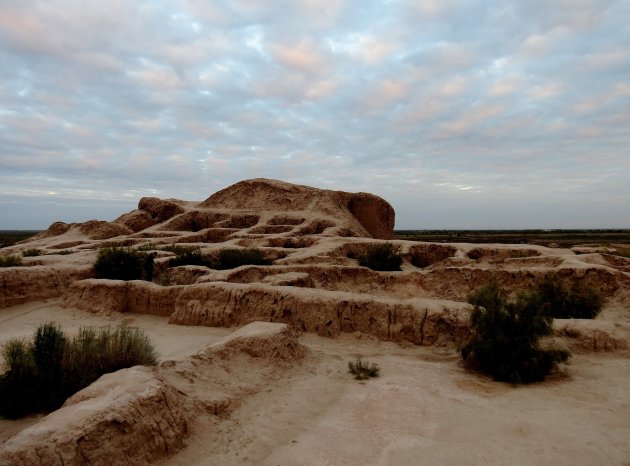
[[140, 415]]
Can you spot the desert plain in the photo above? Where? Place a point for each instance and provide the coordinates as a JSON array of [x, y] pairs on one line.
[[253, 361]]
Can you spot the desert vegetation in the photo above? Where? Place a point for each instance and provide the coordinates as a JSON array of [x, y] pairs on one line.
[[363, 369], [10, 260], [232, 258], [31, 252], [381, 257], [190, 256], [41, 374], [578, 301], [226, 258], [505, 336], [123, 264]]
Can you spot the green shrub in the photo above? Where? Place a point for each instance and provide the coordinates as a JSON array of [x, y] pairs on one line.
[[41, 375], [363, 369], [382, 257], [18, 384], [49, 346], [123, 264], [63, 252], [177, 249], [232, 258], [562, 302], [226, 258], [147, 247], [116, 349], [10, 261], [505, 337], [31, 252], [491, 296], [190, 256]]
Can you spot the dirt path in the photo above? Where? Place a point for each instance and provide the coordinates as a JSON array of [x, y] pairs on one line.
[[424, 409]]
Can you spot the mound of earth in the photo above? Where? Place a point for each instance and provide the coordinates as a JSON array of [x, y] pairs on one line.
[[312, 239], [140, 415]]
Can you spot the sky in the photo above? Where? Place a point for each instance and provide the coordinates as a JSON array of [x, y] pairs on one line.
[[463, 114]]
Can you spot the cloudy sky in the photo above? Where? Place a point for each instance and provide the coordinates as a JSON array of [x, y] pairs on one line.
[[461, 113]]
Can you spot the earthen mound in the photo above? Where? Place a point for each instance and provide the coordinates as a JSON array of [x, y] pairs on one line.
[[140, 415], [373, 214]]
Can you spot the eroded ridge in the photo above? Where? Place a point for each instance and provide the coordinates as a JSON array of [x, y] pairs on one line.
[[313, 240], [140, 415]]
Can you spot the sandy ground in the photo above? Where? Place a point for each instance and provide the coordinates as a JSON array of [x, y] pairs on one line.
[[424, 409], [170, 341]]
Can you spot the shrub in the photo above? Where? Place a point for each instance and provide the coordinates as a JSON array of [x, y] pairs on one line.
[[18, 385], [577, 302], [41, 375], [505, 337], [191, 256], [123, 264], [10, 261], [363, 370], [31, 252], [146, 247], [49, 346], [232, 258], [382, 257], [226, 259], [63, 252], [116, 349], [177, 249]]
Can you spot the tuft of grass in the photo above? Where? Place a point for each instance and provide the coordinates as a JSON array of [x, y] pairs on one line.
[[31, 252], [363, 369], [116, 349], [40, 375], [382, 257], [10, 261]]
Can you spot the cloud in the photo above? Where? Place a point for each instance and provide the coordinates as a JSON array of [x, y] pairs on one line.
[[452, 104], [302, 56]]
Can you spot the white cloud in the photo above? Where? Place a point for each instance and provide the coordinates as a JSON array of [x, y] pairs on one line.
[[302, 56], [469, 103]]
